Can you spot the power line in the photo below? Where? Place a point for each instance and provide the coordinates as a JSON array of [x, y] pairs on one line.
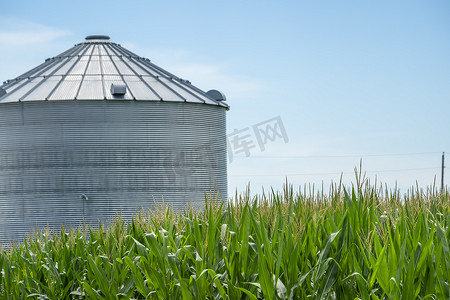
[[340, 156], [331, 173]]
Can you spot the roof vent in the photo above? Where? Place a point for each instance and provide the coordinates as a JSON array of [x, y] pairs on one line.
[[97, 37], [216, 95], [118, 89]]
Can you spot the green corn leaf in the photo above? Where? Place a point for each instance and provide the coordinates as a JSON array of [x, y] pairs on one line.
[[92, 293], [425, 253], [264, 275], [329, 278], [185, 290], [249, 294], [362, 283], [408, 288], [100, 277], [215, 278], [138, 277], [128, 286], [211, 237], [380, 271], [245, 232]]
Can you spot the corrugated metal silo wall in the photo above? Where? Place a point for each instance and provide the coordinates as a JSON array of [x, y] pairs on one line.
[[62, 162]]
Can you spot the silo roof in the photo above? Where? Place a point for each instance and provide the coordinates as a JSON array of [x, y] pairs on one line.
[[99, 69]]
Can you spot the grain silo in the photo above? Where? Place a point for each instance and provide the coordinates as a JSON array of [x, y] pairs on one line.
[[97, 130]]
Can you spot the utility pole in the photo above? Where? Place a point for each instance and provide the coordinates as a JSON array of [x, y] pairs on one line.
[[442, 172]]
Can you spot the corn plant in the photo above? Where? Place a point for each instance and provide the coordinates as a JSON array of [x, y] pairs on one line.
[[359, 242]]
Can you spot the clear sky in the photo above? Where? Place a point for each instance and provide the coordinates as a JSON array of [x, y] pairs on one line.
[[348, 79]]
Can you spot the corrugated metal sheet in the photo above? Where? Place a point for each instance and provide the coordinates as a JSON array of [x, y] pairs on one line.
[[86, 154], [120, 154]]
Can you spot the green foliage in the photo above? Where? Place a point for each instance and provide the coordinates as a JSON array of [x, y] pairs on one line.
[[360, 243]]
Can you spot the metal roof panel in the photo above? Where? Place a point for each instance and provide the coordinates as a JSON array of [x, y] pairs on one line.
[[91, 88], [68, 88], [141, 91], [94, 66], [43, 90]]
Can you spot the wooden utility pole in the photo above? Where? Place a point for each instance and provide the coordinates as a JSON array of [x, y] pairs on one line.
[[442, 172]]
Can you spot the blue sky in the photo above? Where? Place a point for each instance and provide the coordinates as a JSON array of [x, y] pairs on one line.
[[349, 79]]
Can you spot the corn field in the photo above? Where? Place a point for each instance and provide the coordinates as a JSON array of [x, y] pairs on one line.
[[360, 242]]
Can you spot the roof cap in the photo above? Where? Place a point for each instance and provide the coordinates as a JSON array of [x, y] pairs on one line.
[[97, 37]]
